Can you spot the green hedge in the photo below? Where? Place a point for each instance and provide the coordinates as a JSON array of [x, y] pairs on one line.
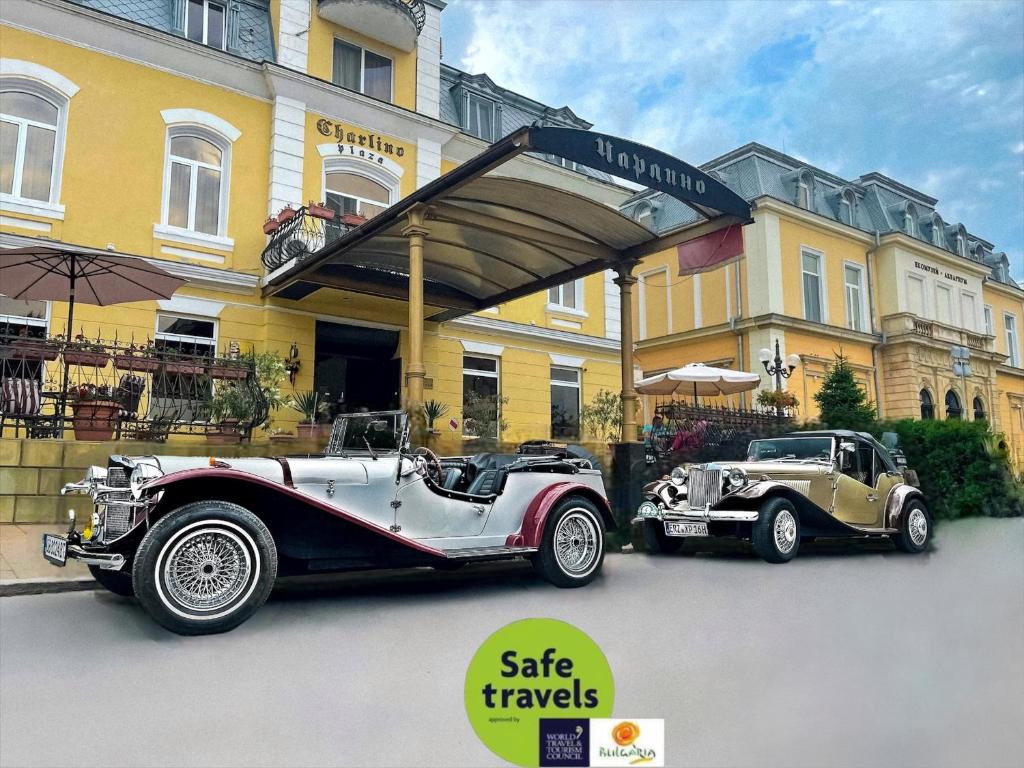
[[963, 468]]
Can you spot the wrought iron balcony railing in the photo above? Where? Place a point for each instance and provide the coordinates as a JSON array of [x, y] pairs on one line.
[[300, 236]]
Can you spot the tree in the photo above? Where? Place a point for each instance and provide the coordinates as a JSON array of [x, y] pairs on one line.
[[842, 401], [602, 417]]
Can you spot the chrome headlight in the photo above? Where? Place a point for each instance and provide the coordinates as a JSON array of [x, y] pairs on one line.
[[96, 475], [141, 475], [678, 476], [737, 478]]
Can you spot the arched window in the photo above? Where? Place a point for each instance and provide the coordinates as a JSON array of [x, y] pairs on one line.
[[352, 193], [30, 139], [804, 190], [938, 231], [979, 409], [910, 221], [927, 405], [195, 188], [953, 408]]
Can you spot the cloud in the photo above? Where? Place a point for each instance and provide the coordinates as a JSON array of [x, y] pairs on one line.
[[931, 91]]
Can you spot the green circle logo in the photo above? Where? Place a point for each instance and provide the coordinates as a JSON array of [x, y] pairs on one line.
[[531, 670]]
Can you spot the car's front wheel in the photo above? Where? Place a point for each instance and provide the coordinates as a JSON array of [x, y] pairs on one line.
[[915, 528], [118, 582], [776, 534], [572, 550], [205, 568]]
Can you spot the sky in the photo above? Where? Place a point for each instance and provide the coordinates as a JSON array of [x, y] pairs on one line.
[[928, 93]]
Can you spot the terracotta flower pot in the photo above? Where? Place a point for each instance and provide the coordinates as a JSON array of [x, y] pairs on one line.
[[88, 359], [32, 349], [352, 219], [136, 364], [227, 433], [287, 214], [227, 371], [270, 226], [191, 369], [320, 211], [307, 431], [95, 419]]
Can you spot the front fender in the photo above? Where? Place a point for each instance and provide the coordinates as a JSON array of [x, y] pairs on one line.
[[531, 532], [814, 521]]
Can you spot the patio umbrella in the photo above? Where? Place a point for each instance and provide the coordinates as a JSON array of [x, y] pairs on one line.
[[699, 379], [72, 274]]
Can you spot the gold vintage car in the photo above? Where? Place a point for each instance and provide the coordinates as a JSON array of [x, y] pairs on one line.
[[792, 488]]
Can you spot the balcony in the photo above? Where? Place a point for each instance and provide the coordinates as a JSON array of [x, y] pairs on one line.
[[904, 324], [305, 234], [394, 22]]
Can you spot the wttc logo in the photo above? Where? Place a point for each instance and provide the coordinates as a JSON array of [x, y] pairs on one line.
[[598, 742]]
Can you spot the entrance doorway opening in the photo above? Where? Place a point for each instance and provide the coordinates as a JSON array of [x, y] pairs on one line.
[[357, 368]]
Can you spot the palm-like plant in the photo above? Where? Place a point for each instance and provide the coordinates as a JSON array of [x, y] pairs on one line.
[[309, 404], [434, 410]]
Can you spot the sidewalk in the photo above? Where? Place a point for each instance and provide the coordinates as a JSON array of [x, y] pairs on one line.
[[23, 569]]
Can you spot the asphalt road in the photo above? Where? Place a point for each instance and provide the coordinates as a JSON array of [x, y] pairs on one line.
[[848, 656]]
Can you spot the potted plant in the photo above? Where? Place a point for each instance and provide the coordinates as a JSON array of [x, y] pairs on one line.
[[287, 214], [770, 398], [352, 219], [310, 405], [228, 368], [230, 406], [96, 411], [280, 436], [141, 359], [434, 410], [26, 347], [320, 211], [270, 225], [189, 365], [83, 352]]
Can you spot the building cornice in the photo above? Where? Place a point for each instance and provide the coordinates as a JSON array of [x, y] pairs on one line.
[[812, 219], [1007, 290], [771, 320], [930, 251], [532, 332]]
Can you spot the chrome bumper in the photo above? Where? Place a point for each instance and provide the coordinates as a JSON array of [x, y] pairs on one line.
[[684, 514], [105, 560]]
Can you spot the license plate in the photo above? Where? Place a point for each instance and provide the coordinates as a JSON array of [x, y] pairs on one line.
[[686, 529], [55, 549]]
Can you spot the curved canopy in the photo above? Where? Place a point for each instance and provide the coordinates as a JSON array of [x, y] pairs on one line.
[[489, 239]]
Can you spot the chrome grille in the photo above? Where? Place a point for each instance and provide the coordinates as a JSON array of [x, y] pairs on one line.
[[703, 487], [117, 518]]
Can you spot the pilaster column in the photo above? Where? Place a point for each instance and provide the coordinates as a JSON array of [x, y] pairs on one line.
[[625, 280], [415, 371]]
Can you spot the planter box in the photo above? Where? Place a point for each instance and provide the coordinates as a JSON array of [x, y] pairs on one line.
[[87, 359], [275, 439], [136, 364], [286, 215], [321, 212], [352, 219], [227, 433], [192, 369], [95, 419], [27, 350], [228, 371]]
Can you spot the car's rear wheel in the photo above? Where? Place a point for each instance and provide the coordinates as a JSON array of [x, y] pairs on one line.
[[657, 543], [776, 534], [118, 582], [572, 550], [205, 568], [915, 528]]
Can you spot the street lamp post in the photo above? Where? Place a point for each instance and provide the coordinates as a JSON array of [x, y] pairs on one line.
[[774, 367]]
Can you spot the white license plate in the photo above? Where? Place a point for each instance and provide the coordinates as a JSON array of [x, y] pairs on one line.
[[55, 549], [686, 529]]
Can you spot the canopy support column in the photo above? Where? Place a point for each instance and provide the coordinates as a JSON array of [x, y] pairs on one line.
[[415, 371], [626, 281]]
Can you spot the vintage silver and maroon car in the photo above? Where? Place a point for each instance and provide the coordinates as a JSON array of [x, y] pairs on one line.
[[200, 541], [801, 486]]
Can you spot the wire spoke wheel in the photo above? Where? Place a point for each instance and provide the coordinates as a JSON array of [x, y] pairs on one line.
[[576, 542], [917, 526], [785, 531], [207, 570]]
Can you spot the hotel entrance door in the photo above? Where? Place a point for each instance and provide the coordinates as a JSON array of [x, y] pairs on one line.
[[357, 368]]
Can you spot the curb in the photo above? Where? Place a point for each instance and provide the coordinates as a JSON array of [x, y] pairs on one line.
[[14, 587]]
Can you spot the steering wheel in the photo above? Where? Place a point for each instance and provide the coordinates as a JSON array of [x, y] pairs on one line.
[[434, 469]]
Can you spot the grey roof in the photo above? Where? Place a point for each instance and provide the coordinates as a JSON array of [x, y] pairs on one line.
[[251, 38], [879, 203], [516, 110]]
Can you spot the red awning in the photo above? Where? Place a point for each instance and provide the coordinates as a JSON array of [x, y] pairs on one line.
[[711, 250]]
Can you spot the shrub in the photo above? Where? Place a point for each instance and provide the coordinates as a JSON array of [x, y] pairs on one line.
[[964, 469], [602, 417]]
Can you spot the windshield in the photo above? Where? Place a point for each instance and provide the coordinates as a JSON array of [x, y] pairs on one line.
[[791, 448], [379, 432]]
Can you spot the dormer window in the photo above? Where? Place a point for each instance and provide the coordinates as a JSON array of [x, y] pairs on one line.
[[204, 23], [847, 206], [909, 225], [479, 118], [938, 239], [803, 193], [961, 244]]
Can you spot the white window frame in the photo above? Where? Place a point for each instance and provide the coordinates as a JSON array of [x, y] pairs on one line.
[[970, 323], [163, 335], [49, 208], [926, 313], [948, 289], [1012, 337], [203, 125], [578, 386], [822, 282], [909, 224], [556, 305], [206, 23], [938, 233], [362, 69], [641, 282], [37, 322], [861, 303], [990, 329], [495, 374], [467, 105], [961, 244]]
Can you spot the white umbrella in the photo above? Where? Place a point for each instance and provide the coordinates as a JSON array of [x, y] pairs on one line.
[[699, 379]]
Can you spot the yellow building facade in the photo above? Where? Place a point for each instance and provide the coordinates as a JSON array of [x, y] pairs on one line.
[[174, 137], [864, 267]]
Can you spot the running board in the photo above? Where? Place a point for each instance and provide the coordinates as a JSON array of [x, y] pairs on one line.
[[488, 552]]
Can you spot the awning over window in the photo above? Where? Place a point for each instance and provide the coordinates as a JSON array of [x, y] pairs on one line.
[[493, 238]]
